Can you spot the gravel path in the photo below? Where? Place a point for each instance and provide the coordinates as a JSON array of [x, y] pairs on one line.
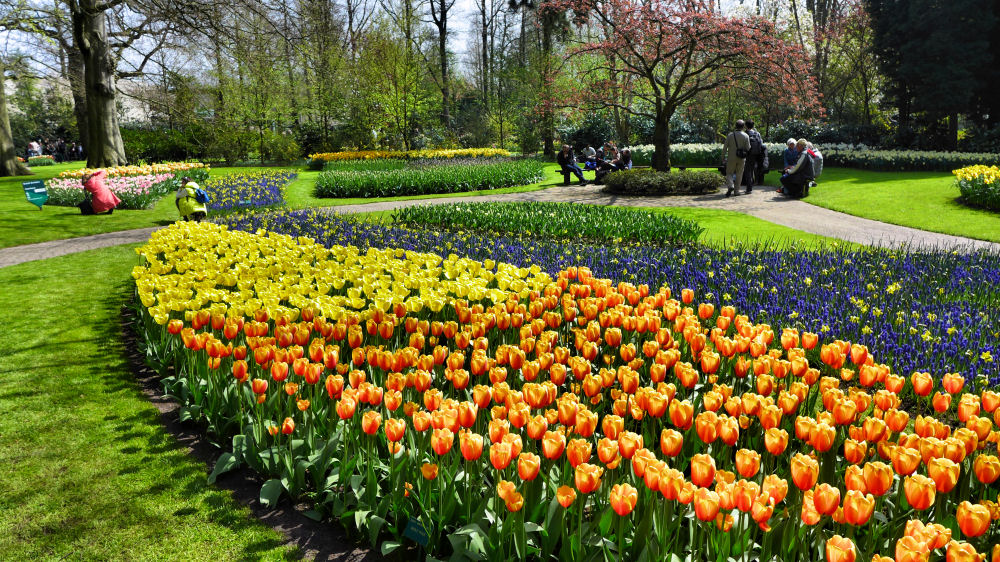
[[763, 203]]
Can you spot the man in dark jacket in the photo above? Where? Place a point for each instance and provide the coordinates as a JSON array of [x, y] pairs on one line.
[[567, 160]]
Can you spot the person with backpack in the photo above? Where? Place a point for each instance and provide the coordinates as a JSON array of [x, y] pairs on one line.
[[191, 201], [795, 180], [753, 172], [735, 152]]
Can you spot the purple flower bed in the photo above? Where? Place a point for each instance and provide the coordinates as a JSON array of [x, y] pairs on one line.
[[916, 311], [248, 190]]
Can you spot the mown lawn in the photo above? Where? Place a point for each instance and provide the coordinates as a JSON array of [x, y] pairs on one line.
[[923, 200], [87, 472]]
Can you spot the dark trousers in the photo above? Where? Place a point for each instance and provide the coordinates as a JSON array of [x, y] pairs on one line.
[[794, 184], [86, 207], [571, 169]]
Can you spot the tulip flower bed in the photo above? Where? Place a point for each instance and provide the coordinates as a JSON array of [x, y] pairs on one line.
[[554, 220], [429, 179], [980, 185], [925, 311], [501, 412], [259, 189], [192, 169], [43, 160], [135, 192]]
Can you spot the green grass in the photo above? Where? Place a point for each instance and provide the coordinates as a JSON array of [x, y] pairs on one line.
[[923, 200], [22, 222], [89, 473]]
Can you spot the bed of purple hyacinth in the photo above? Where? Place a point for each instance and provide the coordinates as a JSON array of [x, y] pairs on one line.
[[935, 312], [248, 190]]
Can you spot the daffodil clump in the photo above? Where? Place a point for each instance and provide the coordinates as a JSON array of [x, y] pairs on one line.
[[980, 185], [409, 154], [191, 266]]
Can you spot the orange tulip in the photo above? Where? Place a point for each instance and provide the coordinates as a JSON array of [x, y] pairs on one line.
[[588, 477], [858, 508], [944, 472], [953, 383], [911, 549], [706, 425], [553, 444], [394, 429], [920, 491], [629, 443], [429, 471], [681, 413], [442, 440], [775, 441], [471, 445], [854, 451], [854, 479], [822, 437], [826, 498], [922, 383], [747, 463], [288, 426], [578, 452], [905, 460], [623, 498], [370, 422], [706, 504], [501, 455], [528, 465], [878, 477], [805, 471], [761, 511], [941, 401], [612, 426], [671, 442], [702, 470], [565, 495], [973, 519], [840, 549], [987, 469], [962, 552], [775, 487]]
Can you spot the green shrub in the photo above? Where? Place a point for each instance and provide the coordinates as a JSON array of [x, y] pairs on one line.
[[554, 221], [427, 180], [841, 155], [652, 182]]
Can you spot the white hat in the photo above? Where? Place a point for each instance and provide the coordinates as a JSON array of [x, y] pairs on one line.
[[790, 141]]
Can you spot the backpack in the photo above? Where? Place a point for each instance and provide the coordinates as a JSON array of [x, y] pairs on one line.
[[756, 145], [200, 195]]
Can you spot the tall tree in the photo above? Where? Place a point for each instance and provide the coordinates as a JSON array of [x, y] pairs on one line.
[[676, 49], [9, 164], [439, 10]]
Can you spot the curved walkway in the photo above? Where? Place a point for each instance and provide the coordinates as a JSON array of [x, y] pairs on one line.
[[764, 203]]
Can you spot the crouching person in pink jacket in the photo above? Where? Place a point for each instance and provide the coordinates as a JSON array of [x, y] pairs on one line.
[[100, 199]]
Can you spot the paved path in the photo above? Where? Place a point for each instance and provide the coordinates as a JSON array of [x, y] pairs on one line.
[[763, 203]]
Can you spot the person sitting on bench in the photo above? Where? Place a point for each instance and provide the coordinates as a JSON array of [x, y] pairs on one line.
[[796, 178], [567, 160]]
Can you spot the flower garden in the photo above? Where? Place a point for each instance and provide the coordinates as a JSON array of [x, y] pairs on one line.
[[138, 187], [507, 395]]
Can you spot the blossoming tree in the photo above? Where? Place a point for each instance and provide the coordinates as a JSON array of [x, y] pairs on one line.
[[673, 50]]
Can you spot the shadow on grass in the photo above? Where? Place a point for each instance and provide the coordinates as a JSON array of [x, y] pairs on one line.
[[309, 538]]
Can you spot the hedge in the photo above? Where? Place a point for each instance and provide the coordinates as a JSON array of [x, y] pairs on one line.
[[652, 182], [429, 180]]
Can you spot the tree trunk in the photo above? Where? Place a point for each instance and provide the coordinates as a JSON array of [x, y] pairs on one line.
[[443, 54], [953, 131], [105, 148], [9, 166], [74, 74], [661, 142]]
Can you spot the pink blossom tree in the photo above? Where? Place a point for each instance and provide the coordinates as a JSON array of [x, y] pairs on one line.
[[674, 50]]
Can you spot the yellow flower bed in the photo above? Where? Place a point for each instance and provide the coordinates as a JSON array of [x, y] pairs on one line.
[[409, 154], [164, 168], [985, 174], [203, 266]]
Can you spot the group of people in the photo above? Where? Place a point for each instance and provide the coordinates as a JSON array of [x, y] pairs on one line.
[[99, 199], [601, 161], [58, 149], [746, 162]]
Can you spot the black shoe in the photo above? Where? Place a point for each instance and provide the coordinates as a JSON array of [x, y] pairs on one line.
[[749, 191], [729, 192]]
